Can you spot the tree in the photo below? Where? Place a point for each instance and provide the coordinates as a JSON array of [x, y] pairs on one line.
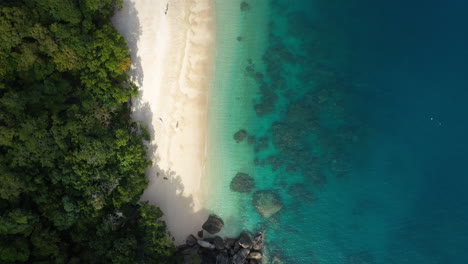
[[72, 162]]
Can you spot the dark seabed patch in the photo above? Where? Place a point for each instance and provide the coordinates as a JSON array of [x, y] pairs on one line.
[[362, 131]]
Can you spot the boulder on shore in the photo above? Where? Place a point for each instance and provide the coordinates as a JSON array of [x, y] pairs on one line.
[[240, 135], [191, 240], [205, 244], [244, 6], [242, 183], [267, 203], [200, 234], [254, 255], [214, 224], [245, 240], [219, 243]]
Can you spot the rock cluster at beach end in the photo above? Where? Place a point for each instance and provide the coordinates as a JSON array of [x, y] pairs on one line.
[[245, 249]]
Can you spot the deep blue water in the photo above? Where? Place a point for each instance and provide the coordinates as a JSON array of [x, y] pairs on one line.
[[365, 105]]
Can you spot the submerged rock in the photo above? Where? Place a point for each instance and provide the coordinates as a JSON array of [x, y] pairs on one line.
[[241, 256], [267, 203], [214, 224], [244, 6], [276, 260], [240, 135], [242, 183]]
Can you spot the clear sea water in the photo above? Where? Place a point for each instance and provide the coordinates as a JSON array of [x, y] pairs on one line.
[[358, 117]]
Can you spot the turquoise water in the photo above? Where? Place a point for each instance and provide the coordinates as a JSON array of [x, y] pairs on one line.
[[357, 113]]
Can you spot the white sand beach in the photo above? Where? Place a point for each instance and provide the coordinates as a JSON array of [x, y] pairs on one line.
[[171, 44]]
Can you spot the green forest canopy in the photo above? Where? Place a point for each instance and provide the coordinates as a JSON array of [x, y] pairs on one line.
[[72, 162]]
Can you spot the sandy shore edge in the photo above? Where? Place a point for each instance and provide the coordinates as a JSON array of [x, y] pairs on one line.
[[172, 48]]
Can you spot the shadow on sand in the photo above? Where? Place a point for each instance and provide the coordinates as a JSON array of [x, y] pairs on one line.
[[165, 189]]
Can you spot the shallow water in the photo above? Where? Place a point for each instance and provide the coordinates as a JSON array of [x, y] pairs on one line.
[[358, 111]]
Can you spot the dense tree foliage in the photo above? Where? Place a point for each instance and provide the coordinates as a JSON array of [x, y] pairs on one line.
[[72, 162]]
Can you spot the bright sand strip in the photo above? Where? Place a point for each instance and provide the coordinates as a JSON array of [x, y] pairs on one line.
[[172, 63]]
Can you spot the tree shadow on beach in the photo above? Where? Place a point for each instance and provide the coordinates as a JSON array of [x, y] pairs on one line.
[[166, 189], [127, 23]]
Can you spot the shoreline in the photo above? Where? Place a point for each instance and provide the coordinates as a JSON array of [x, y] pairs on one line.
[[172, 62]]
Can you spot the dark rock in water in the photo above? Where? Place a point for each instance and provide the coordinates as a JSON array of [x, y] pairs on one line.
[[242, 183], [258, 242], [222, 258], [219, 243], [213, 225], [267, 203], [256, 161], [244, 6], [245, 240], [191, 240], [200, 234], [299, 191], [254, 255], [275, 162], [261, 144], [240, 135], [241, 256], [239, 38]]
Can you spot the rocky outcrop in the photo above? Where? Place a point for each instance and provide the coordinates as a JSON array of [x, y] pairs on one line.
[[213, 225], [216, 250], [240, 135], [267, 203], [242, 183]]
